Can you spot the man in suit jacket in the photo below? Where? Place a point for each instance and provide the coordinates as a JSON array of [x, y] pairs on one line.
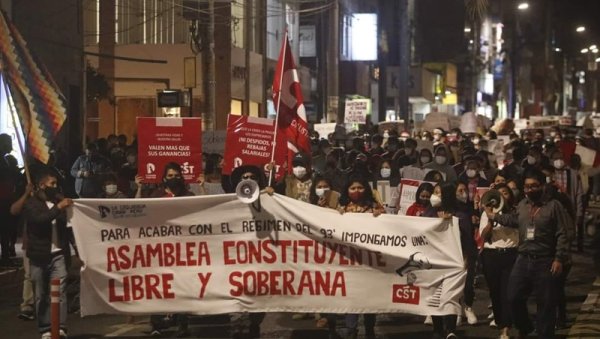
[[48, 247]]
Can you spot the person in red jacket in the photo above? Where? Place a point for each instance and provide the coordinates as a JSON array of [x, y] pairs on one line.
[[422, 200]]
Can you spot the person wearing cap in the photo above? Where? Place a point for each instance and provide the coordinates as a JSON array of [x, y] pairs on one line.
[[239, 320], [439, 136], [297, 185], [441, 163]]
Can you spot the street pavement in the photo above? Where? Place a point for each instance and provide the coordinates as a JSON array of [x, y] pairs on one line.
[[582, 297]]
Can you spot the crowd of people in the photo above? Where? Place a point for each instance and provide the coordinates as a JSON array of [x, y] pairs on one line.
[[523, 248]]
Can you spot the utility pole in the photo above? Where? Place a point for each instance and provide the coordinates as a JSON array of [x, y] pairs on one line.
[[404, 62], [247, 45], [211, 99], [333, 59]]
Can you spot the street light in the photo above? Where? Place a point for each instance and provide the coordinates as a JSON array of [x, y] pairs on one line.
[[580, 29], [597, 59], [593, 47], [557, 49], [585, 50], [467, 29], [523, 6]]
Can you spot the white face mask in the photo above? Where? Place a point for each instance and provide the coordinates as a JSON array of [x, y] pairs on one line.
[[437, 137], [531, 160], [462, 197], [471, 173], [553, 134], [111, 189], [321, 191], [299, 172], [440, 159], [475, 141], [559, 163], [425, 160], [424, 138], [435, 201], [386, 172]]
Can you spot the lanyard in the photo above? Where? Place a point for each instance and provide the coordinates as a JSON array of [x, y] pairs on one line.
[[533, 213]]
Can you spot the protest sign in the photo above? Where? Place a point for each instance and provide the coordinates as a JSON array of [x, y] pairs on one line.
[[408, 194], [325, 130], [356, 111], [164, 140], [250, 142], [215, 254]]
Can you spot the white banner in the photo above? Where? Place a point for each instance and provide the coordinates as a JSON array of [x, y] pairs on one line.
[[214, 254]]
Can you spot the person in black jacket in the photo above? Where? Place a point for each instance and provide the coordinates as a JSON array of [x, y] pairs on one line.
[[48, 247]]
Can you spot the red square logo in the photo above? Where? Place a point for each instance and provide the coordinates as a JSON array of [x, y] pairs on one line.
[[406, 294]]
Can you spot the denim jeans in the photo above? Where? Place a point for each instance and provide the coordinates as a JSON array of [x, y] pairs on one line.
[[532, 275], [41, 277]]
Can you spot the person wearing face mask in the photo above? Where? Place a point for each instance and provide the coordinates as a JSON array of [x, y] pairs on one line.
[[393, 151], [297, 185], [357, 197], [87, 171], [321, 194], [386, 172], [422, 202], [418, 171], [464, 208], [173, 185], [535, 159], [48, 247], [498, 257], [543, 249], [489, 167], [444, 205], [472, 177], [110, 188], [249, 323], [441, 163], [568, 182], [319, 159]]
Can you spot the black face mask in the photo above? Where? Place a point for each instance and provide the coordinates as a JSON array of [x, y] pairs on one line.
[[175, 185], [51, 193], [535, 196]]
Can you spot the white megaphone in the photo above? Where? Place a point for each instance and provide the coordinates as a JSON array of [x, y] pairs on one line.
[[247, 191], [493, 198]]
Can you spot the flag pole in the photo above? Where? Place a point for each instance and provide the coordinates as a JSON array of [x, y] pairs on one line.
[[285, 43], [14, 118]]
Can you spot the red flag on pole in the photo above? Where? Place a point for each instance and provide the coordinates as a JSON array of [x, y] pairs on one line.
[[287, 97]]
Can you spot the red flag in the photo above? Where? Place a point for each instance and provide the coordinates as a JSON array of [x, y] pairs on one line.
[[287, 98]]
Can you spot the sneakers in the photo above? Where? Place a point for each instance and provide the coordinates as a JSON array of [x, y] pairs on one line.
[[493, 323], [491, 316], [156, 333], [451, 336], [471, 317], [428, 320], [61, 333], [26, 315]]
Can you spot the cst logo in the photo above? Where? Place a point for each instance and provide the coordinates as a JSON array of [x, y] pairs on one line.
[[406, 294]]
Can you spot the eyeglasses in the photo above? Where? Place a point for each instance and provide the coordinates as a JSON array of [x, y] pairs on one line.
[[531, 187]]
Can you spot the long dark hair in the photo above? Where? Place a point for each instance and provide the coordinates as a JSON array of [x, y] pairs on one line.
[[367, 198], [313, 198], [448, 197], [424, 187]]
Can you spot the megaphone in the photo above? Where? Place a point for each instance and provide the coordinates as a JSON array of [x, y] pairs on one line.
[[493, 198], [247, 191]]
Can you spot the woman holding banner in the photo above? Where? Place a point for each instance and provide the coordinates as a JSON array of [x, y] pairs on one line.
[[357, 197], [444, 205]]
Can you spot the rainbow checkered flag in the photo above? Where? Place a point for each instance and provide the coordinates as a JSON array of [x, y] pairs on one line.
[[40, 105]]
